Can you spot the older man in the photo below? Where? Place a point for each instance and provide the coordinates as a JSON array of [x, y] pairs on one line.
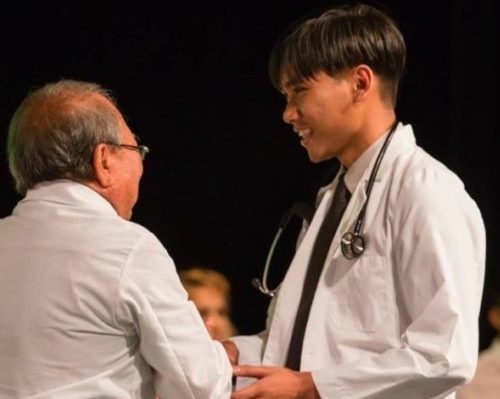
[[90, 303]]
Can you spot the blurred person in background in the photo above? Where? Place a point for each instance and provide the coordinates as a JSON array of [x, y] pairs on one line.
[[210, 291]]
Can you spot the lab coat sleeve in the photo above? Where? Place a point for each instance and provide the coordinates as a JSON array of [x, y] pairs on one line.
[[438, 258], [251, 347], [173, 340]]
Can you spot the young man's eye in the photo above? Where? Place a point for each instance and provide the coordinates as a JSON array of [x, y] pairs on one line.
[[292, 92]]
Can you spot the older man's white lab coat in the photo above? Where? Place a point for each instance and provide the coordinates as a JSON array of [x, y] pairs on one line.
[[91, 307], [401, 321]]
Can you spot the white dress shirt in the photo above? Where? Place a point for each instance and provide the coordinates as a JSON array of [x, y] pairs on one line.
[[91, 307]]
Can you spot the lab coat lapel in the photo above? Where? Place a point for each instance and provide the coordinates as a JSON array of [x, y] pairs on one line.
[[289, 294]]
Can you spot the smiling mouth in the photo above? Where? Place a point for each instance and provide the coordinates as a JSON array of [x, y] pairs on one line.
[[304, 134]]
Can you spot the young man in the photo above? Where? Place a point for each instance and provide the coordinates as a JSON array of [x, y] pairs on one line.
[[390, 309], [90, 303]]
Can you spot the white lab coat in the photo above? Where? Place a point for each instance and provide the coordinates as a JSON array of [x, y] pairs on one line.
[[399, 322], [91, 307]]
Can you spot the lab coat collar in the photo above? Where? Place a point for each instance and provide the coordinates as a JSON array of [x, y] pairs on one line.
[[68, 192], [403, 139], [362, 167], [357, 169], [358, 175]]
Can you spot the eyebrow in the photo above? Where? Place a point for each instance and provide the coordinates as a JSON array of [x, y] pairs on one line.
[[292, 82]]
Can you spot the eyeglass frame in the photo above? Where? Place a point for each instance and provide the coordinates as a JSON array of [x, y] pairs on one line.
[[143, 150]]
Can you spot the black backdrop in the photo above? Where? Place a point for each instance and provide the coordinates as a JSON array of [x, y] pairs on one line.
[[191, 79]]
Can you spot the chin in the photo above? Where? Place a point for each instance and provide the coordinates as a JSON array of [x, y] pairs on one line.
[[126, 214], [317, 158]]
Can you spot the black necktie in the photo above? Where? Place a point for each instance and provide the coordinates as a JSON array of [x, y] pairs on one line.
[[316, 263]]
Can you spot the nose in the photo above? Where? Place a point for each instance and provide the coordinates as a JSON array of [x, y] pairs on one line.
[[212, 321], [290, 113], [211, 324]]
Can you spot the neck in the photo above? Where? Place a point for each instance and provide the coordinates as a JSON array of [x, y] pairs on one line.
[[369, 130]]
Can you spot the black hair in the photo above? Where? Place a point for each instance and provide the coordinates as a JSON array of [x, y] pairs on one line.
[[339, 39]]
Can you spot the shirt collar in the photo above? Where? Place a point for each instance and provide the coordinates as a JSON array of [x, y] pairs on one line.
[[69, 192], [358, 168]]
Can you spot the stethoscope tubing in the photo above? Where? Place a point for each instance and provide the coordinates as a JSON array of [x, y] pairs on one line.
[[261, 285], [352, 242], [373, 176]]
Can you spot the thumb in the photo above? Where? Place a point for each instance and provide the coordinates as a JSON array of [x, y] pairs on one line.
[[255, 371]]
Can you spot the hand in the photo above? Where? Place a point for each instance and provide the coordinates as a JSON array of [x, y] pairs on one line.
[[232, 351], [275, 383]]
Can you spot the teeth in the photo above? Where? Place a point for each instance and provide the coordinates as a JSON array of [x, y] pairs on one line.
[[303, 133]]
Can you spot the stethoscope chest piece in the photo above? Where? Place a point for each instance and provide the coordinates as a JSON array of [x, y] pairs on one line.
[[352, 245]]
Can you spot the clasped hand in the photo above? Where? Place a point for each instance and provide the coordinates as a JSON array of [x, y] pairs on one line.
[[275, 383]]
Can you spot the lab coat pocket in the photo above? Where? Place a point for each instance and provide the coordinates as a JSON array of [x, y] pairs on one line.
[[359, 297]]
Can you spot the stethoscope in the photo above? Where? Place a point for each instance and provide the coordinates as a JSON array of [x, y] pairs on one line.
[[352, 243]]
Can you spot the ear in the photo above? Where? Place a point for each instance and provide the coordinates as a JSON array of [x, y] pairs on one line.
[[102, 165], [363, 82]]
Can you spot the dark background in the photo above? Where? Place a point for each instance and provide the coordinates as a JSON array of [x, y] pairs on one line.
[[191, 79]]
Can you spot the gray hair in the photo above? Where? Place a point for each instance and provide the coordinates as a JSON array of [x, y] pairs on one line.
[[55, 130]]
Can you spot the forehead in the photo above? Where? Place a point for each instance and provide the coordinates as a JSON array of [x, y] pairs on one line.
[[126, 134], [123, 128], [105, 102], [288, 78], [205, 293]]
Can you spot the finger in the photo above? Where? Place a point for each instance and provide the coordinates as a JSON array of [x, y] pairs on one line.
[[255, 371], [231, 350], [249, 392]]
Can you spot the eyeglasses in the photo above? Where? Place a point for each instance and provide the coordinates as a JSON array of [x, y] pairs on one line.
[[141, 149]]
